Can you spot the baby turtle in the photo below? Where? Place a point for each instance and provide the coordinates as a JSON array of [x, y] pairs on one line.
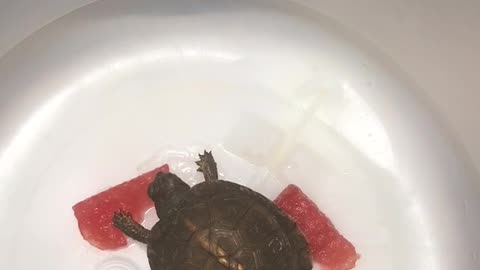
[[216, 225]]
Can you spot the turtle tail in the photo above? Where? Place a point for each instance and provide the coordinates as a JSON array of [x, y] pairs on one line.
[[207, 166]]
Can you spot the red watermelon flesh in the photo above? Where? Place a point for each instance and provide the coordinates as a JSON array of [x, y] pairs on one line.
[[94, 215], [328, 247]]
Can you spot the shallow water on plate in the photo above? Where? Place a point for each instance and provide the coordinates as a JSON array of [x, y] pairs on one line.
[[260, 140], [280, 101]]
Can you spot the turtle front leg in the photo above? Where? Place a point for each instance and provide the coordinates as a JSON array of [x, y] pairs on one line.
[[123, 221], [207, 166]]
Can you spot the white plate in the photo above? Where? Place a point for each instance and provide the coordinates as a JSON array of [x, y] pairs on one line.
[[96, 96]]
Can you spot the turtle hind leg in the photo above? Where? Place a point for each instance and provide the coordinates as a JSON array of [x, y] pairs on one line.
[[123, 221], [207, 166]]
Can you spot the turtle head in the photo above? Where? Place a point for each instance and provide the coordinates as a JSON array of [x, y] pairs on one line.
[[166, 187]]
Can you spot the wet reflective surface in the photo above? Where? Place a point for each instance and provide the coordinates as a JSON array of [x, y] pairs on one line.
[[118, 87]]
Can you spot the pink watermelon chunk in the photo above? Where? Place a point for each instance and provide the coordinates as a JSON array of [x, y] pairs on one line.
[[94, 215], [328, 247]]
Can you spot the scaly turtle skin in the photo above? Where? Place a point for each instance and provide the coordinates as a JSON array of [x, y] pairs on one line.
[[216, 225]]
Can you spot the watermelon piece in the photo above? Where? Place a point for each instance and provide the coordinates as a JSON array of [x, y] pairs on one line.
[[94, 214], [328, 247]]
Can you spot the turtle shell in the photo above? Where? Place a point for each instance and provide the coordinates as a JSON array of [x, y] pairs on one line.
[[222, 225]]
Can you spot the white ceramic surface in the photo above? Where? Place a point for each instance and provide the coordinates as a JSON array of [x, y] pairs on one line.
[[432, 42], [91, 97]]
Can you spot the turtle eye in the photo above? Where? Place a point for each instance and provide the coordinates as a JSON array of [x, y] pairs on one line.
[[153, 190], [164, 186]]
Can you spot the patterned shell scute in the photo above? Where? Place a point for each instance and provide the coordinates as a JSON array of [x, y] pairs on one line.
[[222, 225]]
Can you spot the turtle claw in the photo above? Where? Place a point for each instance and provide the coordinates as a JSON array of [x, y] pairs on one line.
[[124, 221], [199, 164], [121, 217], [207, 166]]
